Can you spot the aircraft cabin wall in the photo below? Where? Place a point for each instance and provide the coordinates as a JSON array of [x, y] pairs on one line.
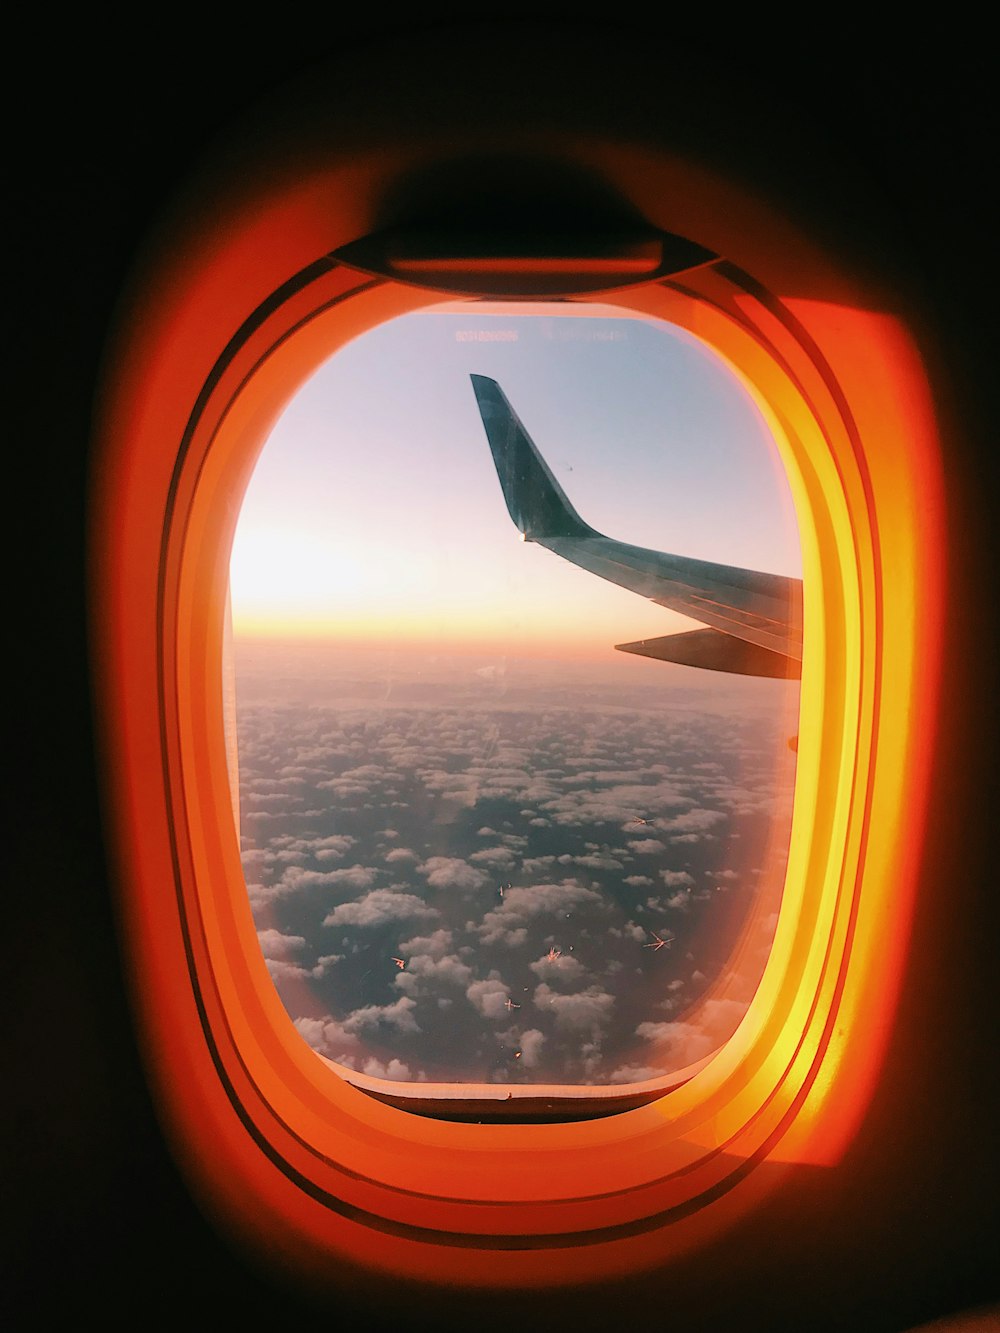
[[878, 160]]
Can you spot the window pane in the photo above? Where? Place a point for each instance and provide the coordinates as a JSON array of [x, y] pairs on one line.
[[481, 845]]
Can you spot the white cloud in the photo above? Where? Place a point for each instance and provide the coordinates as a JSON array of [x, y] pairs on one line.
[[521, 905], [276, 945], [329, 1038], [585, 1009], [332, 848], [398, 1015], [684, 1042], [538, 865], [635, 1074], [615, 804], [422, 971], [532, 1042], [597, 861], [675, 879], [377, 908], [437, 944], [395, 1070], [564, 968], [693, 821], [295, 879], [451, 872], [400, 854], [495, 858], [489, 997]]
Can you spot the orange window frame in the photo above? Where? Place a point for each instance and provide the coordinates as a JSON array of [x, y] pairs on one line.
[[283, 1152]]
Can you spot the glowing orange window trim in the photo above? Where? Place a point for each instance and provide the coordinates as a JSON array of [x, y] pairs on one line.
[[275, 1143]]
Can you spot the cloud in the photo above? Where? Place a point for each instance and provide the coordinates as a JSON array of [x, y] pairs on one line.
[[635, 1074], [522, 905], [344, 787], [451, 872], [676, 879], [275, 800], [282, 970], [398, 1015], [270, 784], [637, 881], [585, 1009], [331, 848], [295, 879], [489, 997], [595, 861], [329, 1038], [437, 944], [564, 968], [634, 931], [616, 804], [685, 1041], [692, 821], [395, 1070], [377, 908], [647, 846], [496, 858], [532, 1042], [400, 854], [538, 865], [275, 945], [457, 787], [682, 1043], [423, 971]]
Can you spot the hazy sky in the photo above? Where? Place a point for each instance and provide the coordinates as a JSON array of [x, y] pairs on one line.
[[375, 513]]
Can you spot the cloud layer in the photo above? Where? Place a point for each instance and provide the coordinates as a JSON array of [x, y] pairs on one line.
[[456, 887]]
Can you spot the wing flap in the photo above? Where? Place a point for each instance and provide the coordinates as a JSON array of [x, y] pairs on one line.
[[714, 650]]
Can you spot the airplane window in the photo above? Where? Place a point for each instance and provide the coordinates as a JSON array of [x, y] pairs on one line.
[[482, 845]]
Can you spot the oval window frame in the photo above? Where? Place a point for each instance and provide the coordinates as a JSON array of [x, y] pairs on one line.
[[255, 1116]]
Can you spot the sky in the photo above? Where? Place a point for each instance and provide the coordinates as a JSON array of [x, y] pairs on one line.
[[479, 844], [375, 515]]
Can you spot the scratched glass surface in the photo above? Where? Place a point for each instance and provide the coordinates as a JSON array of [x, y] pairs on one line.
[[481, 845]]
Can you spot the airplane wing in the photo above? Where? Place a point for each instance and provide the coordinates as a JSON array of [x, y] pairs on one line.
[[754, 620]]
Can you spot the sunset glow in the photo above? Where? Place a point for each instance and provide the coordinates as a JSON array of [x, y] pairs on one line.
[[374, 514]]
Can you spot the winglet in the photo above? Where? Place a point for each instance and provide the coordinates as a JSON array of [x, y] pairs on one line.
[[535, 500]]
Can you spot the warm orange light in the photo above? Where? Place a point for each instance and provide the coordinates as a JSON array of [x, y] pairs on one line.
[[284, 1153]]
